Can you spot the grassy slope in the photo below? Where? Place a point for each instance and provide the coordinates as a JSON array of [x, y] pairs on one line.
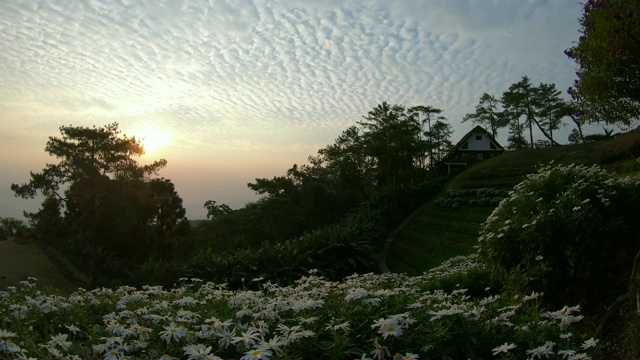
[[438, 233], [20, 259]]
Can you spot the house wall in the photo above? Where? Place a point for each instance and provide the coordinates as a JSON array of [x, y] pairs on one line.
[[482, 144]]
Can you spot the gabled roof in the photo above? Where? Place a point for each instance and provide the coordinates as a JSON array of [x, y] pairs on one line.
[[475, 130]]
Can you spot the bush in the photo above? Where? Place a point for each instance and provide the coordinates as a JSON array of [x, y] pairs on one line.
[[621, 147], [474, 197], [336, 251], [568, 231]]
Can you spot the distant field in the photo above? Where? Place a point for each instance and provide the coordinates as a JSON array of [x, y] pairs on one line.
[[20, 259]]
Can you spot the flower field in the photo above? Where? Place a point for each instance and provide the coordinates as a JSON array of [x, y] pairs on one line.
[[387, 316]]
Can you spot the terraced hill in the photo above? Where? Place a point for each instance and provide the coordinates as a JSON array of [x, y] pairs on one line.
[[448, 225]]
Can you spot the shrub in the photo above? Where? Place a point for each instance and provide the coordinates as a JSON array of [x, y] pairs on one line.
[[461, 272], [566, 230], [474, 197], [621, 147], [336, 251]]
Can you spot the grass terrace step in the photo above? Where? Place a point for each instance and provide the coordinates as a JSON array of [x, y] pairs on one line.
[[448, 225]]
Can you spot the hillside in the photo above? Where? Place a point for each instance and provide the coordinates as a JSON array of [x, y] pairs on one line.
[[20, 259], [448, 225]]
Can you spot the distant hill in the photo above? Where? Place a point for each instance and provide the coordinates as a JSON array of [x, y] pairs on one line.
[[448, 225]]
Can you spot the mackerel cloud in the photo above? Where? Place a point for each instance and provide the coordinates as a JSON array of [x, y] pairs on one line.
[[249, 70]]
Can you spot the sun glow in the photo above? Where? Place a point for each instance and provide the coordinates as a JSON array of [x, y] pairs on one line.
[[153, 139]]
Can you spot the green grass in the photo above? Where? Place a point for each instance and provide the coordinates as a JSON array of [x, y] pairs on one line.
[[20, 259], [436, 233]]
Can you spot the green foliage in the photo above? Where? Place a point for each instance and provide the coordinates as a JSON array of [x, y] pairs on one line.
[[480, 196], [381, 161], [439, 140], [11, 226], [392, 138], [434, 137], [540, 105], [112, 209], [487, 114], [462, 272], [335, 250], [568, 231], [215, 210], [575, 137], [47, 224], [608, 58], [625, 145]]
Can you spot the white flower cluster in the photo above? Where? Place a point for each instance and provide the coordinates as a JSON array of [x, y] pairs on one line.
[[582, 187], [205, 321]]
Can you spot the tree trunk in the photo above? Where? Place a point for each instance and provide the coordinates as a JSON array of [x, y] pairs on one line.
[[553, 142]]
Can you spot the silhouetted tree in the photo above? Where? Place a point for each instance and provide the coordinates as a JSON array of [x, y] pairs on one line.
[[551, 108], [215, 210], [487, 114], [391, 137], [441, 139], [12, 226], [540, 106], [47, 224], [608, 58], [428, 112], [111, 206]]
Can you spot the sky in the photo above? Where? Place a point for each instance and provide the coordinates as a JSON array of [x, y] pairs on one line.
[[230, 91]]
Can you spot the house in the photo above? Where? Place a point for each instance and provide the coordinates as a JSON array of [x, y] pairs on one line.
[[477, 144]]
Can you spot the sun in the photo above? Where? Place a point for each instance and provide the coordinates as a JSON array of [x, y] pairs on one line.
[[153, 139]]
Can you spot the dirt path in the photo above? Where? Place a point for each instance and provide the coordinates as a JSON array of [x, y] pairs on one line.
[[22, 258]]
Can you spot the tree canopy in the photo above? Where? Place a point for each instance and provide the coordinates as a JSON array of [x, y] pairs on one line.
[[111, 204], [387, 151], [487, 114], [525, 107], [608, 58]]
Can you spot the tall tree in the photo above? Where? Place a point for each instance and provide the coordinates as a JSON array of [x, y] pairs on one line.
[[575, 113], [551, 108], [97, 180], [441, 136], [166, 217], [346, 160], [427, 112], [516, 132], [391, 138], [367, 161], [608, 58], [524, 99], [12, 226], [519, 99], [487, 114], [512, 113]]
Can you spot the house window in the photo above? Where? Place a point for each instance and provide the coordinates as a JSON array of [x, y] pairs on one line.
[[478, 137], [479, 156], [465, 145]]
